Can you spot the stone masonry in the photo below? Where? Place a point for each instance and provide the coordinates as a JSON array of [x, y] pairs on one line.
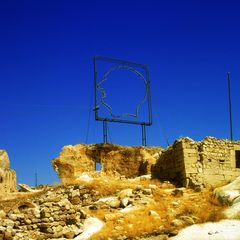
[[53, 214], [7, 175], [211, 162]]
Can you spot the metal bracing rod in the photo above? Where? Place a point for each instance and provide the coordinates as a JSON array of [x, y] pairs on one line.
[[230, 106], [144, 140], [105, 132]]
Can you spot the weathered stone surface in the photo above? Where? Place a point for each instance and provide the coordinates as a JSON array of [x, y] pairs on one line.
[[7, 176], [74, 160], [230, 195], [4, 160], [210, 162]]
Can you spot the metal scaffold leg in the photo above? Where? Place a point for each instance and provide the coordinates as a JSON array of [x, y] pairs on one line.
[[144, 140], [105, 132]]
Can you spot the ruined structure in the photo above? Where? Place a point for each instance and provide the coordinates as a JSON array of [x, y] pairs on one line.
[[209, 162], [7, 175], [186, 163], [112, 160]]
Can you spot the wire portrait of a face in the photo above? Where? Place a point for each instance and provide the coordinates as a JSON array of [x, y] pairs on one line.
[[122, 91]]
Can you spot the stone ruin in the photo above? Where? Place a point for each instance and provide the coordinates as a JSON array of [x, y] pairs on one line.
[[211, 162], [7, 175], [108, 158]]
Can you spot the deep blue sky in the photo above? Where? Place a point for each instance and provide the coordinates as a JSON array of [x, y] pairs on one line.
[[46, 72]]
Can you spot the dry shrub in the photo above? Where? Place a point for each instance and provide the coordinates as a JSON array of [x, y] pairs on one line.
[[204, 207]]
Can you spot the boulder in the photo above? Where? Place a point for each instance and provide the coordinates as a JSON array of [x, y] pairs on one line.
[[230, 195]]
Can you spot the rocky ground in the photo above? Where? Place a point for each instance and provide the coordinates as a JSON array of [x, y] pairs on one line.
[[100, 207]]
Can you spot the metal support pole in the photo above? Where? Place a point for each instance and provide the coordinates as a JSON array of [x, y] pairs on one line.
[[230, 106], [144, 140], [36, 179], [105, 132]]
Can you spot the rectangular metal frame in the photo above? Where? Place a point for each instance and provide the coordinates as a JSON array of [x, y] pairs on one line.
[[127, 63]]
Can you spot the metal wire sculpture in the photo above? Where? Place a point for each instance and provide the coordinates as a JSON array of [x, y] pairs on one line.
[[100, 94], [104, 94]]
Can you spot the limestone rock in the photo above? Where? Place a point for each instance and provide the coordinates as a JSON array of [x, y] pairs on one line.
[[229, 192], [233, 212], [230, 195], [153, 214], [4, 160], [115, 203], [125, 193], [26, 188], [124, 202], [2, 214], [7, 176]]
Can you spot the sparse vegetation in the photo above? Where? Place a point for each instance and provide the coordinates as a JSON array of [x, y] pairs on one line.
[[168, 204]]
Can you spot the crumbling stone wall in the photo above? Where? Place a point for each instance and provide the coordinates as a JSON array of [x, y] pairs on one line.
[[7, 175], [211, 162], [114, 160], [170, 165], [218, 161], [54, 214]]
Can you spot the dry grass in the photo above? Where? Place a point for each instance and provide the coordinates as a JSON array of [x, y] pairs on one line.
[[204, 207], [109, 186], [135, 223], [199, 206]]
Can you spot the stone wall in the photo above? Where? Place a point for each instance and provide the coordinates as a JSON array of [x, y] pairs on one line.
[[211, 162], [7, 175], [113, 159], [218, 161], [170, 165], [54, 214]]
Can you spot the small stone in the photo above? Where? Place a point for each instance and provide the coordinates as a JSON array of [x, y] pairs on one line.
[[124, 202], [12, 216], [125, 193], [187, 219], [177, 223], [177, 192], [175, 204], [138, 188], [153, 214], [114, 203], [7, 235], [28, 221], [147, 191], [8, 223], [69, 235], [2, 214], [93, 207], [152, 186], [76, 200]]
